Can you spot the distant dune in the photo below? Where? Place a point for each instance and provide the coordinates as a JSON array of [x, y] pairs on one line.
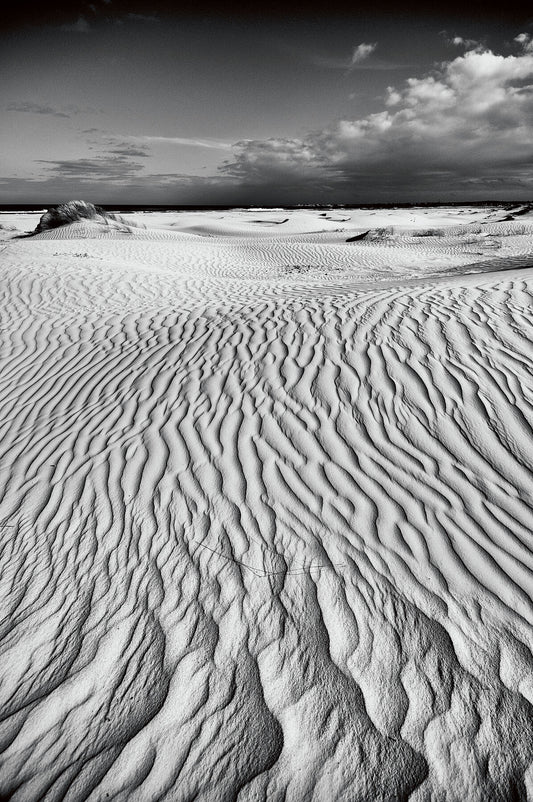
[[266, 506]]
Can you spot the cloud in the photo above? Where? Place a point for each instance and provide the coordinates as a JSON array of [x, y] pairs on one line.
[[357, 61], [526, 40], [464, 130], [35, 108], [111, 169], [166, 188], [470, 44], [469, 120], [130, 151], [80, 26], [127, 149], [362, 52], [186, 141]]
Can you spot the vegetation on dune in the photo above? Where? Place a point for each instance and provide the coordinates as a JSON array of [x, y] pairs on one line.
[[77, 210]]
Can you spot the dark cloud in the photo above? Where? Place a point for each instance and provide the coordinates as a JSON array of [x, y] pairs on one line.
[[126, 149], [130, 151], [35, 108], [158, 188], [111, 169]]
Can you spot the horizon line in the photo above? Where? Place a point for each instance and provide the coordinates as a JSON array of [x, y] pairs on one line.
[[110, 206]]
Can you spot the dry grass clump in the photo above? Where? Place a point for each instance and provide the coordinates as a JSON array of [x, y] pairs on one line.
[[381, 233], [429, 232], [77, 210], [374, 234]]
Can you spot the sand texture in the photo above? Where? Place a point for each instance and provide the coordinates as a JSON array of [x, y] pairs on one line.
[[266, 508]]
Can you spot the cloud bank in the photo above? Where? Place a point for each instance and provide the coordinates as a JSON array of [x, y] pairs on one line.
[[467, 125], [462, 131]]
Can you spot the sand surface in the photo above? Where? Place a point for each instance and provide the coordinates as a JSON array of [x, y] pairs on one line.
[[266, 508]]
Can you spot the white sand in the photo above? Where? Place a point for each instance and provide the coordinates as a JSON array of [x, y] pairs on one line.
[[266, 504]]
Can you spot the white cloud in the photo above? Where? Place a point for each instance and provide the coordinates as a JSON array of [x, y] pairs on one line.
[[357, 61], [472, 119], [362, 52], [526, 40], [460, 41]]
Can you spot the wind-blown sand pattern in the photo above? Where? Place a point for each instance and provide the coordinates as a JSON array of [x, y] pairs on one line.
[[266, 506]]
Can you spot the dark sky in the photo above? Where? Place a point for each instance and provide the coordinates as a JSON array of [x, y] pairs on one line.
[[135, 102]]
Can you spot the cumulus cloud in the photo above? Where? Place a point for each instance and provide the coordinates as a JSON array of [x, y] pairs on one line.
[[472, 119], [362, 52], [460, 41], [35, 108], [526, 40]]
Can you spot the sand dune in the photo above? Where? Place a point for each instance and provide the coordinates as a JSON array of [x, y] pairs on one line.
[[266, 509]]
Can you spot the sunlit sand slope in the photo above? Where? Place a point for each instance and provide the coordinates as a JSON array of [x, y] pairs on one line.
[[265, 534]]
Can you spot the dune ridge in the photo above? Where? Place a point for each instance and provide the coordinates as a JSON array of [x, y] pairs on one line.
[[266, 518]]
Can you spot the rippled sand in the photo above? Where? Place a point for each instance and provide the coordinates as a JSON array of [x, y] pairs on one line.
[[266, 509]]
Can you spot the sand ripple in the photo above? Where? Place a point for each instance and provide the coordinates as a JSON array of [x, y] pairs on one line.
[[266, 531]]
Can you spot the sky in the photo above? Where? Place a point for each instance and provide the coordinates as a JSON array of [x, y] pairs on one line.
[[141, 102]]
